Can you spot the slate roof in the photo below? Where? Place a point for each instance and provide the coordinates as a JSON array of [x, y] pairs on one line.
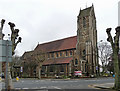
[[58, 45], [58, 61]]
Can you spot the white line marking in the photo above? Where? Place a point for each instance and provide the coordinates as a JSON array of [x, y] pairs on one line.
[[55, 87], [43, 87], [17, 88], [25, 88]]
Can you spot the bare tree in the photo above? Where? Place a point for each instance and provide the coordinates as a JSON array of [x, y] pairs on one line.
[[15, 60], [14, 35], [32, 61], [105, 51], [31, 65], [115, 57], [39, 57]]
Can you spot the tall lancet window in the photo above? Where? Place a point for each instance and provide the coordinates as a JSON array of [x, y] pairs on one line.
[[84, 22]]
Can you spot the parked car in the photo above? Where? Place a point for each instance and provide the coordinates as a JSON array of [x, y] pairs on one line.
[[2, 75]]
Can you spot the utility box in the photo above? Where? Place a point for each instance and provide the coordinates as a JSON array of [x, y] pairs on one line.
[[5, 50]]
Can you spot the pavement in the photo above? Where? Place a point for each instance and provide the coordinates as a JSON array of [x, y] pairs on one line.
[[103, 86]]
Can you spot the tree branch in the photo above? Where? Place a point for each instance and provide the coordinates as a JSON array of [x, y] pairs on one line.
[[110, 39], [2, 24]]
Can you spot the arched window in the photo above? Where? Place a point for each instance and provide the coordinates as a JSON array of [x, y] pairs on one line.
[[57, 54], [51, 68], [61, 68], [60, 53], [84, 22], [76, 62], [52, 55], [84, 54], [48, 55], [66, 53], [71, 53]]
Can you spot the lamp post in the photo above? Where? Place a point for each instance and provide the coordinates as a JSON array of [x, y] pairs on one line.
[[8, 82]]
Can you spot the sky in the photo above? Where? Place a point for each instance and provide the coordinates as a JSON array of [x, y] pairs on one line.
[[41, 21]]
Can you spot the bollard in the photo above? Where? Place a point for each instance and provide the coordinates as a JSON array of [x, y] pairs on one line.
[[0, 79], [113, 76], [17, 78]]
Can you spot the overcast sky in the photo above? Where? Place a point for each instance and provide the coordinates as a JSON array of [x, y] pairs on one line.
[[41, 21]]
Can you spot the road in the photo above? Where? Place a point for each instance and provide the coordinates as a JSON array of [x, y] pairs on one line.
[[60, 84]]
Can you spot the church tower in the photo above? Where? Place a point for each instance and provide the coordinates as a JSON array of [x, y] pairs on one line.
[[87, 42]]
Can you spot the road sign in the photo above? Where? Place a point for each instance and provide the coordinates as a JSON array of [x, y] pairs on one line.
[[5, 50], [96, 67], [21, 69], [78, 73]]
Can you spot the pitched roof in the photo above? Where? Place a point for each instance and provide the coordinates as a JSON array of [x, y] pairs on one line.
[[57, 45], [58, 61], [27, 54]]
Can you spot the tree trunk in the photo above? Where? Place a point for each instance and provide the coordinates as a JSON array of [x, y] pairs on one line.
[[39, 73], [116, 70], [115, 47]]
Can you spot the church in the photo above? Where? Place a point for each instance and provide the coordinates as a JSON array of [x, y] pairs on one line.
[[64, 57]]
